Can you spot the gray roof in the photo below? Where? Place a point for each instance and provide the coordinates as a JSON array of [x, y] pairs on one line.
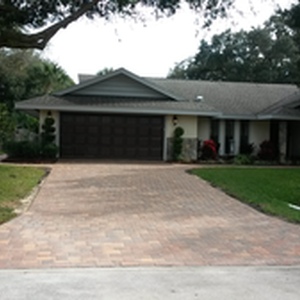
[[218, 99], [230, 98], [285, 108], [116, 104]]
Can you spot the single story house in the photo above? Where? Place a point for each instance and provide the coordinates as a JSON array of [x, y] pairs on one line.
[[123, 116]]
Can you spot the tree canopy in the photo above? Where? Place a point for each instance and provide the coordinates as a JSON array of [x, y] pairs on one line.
[[267, 54], [24, 74], [32, 23]]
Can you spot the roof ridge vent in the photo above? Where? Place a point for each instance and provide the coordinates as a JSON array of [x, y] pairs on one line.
[[199, 98]]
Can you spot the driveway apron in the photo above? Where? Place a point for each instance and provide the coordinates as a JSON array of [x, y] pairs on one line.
[[107, 214]]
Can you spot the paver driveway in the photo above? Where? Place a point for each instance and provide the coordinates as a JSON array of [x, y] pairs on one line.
[[105, 214]]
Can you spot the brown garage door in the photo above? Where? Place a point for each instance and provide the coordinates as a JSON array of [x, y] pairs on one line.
[[111, 136]]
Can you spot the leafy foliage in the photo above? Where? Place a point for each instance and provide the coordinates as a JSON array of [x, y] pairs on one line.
[[48, 146], [7, 124], [209, 150], [48, 133], [268, 54], [40, 148], [243, 159], [23, 149], [267, 151], [23, 74], [105, 71], [47, 17], [177, 143]]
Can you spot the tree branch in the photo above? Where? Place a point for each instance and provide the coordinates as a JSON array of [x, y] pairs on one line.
[[16, 39]]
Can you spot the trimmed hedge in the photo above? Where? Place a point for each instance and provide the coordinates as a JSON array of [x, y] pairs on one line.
[[30, 150]]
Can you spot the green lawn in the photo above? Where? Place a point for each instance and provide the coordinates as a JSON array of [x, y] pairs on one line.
[[15, 184], [267, 189]]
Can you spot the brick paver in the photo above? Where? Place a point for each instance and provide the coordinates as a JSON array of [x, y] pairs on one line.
[[105, 214]]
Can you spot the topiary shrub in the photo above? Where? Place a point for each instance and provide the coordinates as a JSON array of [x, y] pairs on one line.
[[49, 148], [209, 150], [48, 133], [177, 143]]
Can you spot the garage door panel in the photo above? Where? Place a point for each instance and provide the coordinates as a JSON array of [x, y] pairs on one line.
[[111, 136]]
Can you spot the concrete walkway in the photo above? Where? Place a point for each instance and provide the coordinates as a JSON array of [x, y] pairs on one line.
[[105, 214], [211, 283]]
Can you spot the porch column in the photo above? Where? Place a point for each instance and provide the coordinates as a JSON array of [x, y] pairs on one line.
[[237, 137], [282, 141], [222, 138]]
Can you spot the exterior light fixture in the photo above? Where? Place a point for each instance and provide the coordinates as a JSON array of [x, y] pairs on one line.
[[175, 120]]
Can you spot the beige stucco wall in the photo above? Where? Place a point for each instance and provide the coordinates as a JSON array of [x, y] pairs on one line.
[[203, 128], [188, 123], [258, 132], [55, 116]]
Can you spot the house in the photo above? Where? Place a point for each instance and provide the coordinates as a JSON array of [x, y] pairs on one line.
[[124, 116]]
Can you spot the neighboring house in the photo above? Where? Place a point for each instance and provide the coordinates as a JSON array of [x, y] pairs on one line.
[[123, 116]]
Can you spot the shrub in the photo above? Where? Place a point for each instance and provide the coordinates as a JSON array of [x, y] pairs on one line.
[[30, 150], [209, 150], [243, 159], [22, 149], [7, 124], [48, 134], [49, 151], [43, 148], [267, 151], [177, 143]]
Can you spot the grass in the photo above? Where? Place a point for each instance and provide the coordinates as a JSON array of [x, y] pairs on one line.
[[268, 189], [15, 184]]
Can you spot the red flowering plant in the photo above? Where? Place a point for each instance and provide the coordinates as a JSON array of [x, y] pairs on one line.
[[209, 150]]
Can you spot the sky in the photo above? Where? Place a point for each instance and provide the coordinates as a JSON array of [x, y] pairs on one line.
[[150, 48]]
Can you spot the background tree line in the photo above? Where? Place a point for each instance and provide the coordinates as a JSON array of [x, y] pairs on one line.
[[268, 54]]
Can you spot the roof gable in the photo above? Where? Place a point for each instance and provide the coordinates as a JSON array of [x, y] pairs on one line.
[[120, 83]]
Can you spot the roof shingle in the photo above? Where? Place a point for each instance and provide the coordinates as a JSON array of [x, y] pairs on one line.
[[223, 99]]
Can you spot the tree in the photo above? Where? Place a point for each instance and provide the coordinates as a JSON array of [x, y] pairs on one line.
[[32, 23], [7, 124], [105, 71], [268, 54], [45, 77], [23, 74], [292, 16]]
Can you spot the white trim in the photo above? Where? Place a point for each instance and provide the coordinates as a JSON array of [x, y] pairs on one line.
[[277, 117], [118, 110], [237, 117], [165, 140]]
